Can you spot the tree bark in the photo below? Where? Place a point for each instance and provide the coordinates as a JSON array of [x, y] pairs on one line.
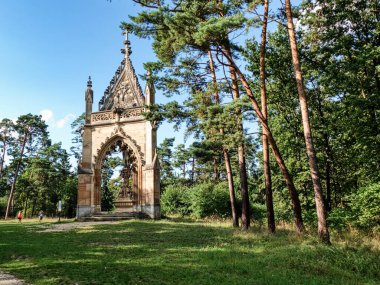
[[245, 211], [13, 188], [328, 153], [266, 162], [323, 231], [26, 203], [284, 170], [192, 169], [226, 155], [2, 159]]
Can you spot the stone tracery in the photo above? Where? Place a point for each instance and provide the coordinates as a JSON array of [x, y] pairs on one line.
[[120, 126]]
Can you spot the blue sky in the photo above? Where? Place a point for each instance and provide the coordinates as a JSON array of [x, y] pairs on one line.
[[49, 48]]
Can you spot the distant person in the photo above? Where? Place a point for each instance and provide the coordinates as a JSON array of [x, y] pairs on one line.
[[19, 216], [40, 215]]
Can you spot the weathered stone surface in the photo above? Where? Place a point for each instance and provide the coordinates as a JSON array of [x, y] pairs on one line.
[[120, 121]]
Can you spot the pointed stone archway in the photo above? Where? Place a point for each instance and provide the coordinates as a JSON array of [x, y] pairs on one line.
[[119, 123]]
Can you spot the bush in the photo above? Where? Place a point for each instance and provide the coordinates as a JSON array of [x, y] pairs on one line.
[[365, 206], [338, 218], [209, 199], [3, 205], [259, 213], [175, 200]]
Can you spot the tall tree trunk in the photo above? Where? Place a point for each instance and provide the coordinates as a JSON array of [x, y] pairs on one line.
[[13, 188], [284, 170], [323, 231], [2, 159], [192, 169], [328, 154], [216, 169], [33, 207], [26, 203], [266, 162], [245, 211], [226, 155]]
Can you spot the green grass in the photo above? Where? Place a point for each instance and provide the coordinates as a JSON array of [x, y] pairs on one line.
[[165, 252]]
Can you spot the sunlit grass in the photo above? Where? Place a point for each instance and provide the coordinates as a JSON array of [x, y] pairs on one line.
[[167, 252]]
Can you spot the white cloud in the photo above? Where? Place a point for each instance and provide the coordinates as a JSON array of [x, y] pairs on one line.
[[47, 115], [62, 122]]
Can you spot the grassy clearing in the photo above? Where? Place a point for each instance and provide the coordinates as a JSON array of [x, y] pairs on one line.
[[165, 252]]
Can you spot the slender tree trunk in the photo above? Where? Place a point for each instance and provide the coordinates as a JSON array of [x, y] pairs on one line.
[[2, 159], [328, 154], [192, 169], [226, 155], [13, 188], [216, 170], [328, 185], [33, 207], [284, 170], [319, 202], [26, 204], [245, 211], [266, 162]]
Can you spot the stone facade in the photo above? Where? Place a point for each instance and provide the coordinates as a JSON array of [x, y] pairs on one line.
[[119, 123]]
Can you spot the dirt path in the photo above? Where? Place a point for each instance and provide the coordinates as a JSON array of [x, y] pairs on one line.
[[69, 226], [7, 279]]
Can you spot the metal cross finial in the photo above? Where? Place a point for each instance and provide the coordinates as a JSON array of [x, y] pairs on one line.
[[127, 50], [125, 33]]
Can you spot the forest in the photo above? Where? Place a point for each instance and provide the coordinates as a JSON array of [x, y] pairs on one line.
[[281, 106]]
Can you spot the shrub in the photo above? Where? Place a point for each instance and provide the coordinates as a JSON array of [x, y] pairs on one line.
[[259, 212], [338, 218], [209, 199], [175, 200], [365, 206], [3, 205]]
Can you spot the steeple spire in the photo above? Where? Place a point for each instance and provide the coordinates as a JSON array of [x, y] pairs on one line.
[[89, 98], [127, 49], [89, 82]]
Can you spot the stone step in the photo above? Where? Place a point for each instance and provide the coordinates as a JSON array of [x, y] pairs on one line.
[[104, 218], [113, 216], [116, 214]]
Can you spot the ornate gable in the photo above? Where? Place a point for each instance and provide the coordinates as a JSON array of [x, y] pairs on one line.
[[124, 90]]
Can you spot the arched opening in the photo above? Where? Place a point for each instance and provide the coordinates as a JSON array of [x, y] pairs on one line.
[[116, 177]]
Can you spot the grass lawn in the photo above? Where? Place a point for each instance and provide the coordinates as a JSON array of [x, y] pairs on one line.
[[166, 252]]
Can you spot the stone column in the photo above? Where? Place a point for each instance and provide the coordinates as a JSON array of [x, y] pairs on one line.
[[151, 170], [85, 170]]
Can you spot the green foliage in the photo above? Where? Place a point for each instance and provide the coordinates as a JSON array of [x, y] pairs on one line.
[[175, 200], [210, 199], [44, 181], [69, 196], [201, 200], [110, 186], [365, 206], [339, 218], [108, 199], [39, 169], [77, 130], [3, 205]]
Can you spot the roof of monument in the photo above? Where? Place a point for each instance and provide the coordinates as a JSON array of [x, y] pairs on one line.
[[124, 90]]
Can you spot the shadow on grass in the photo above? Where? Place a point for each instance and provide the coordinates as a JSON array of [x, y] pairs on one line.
[[147, 252]]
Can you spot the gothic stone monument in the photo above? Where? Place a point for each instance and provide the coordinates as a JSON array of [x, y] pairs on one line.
[[119, 125]]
